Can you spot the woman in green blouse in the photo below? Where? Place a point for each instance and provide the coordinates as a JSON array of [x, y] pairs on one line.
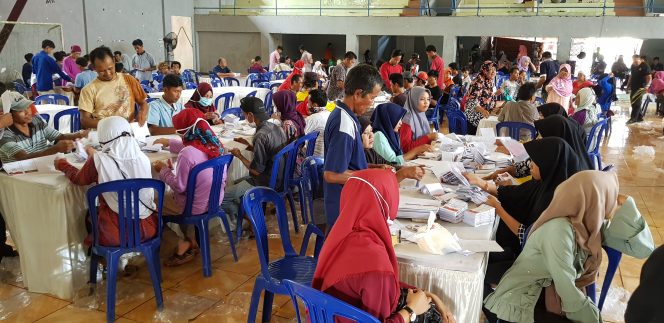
[[386, 121]]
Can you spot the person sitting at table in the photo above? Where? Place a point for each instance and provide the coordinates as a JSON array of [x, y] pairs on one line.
[[297, 70], [198, 145], [257, 65], [397, 89], [309, 84], [5, 121], [357, 263], [564, 248], [317, 119], [480, 100], [435, 92], [28, 137], [111, 93], [201, 100], [266, 144], [120, 158], [221, 69], [415, 130], [162, 110], [282, 66], [585, 109], [580, 83], [510, 87], [560, 88], [374, 160], [292, 123], [86, 76], [523, 110], [552, 108], [386, 121]]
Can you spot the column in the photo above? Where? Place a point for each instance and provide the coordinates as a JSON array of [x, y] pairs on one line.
[[449, 51], [564, 48], [352, 44]]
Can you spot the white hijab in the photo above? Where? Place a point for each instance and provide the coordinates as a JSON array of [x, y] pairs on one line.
[[587, 102], [318, 68], [122, 158]]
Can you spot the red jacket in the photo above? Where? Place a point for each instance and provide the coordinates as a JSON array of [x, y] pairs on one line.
[[407, 142]]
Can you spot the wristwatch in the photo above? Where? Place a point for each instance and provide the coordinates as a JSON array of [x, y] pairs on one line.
[[412, 314]]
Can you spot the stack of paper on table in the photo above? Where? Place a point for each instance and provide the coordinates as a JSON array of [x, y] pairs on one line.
[[471, 193], [453, 211], [515, 148], [480, 215], [41, 164], [416, 208]]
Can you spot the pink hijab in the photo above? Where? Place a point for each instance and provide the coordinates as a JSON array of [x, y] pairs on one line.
[[562, 86], [523, 51], [657, 84]]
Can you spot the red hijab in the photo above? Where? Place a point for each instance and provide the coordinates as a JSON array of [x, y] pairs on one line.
[[360, 240], [202, 89], [197, 132], [299, 65]]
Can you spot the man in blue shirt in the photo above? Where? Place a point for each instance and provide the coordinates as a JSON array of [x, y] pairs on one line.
[[550, 68], [344, 152], [222, 70], [44, 66], [85, 77], [162, 110]]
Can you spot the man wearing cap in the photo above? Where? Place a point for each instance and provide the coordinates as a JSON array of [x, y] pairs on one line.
[[421, 79], [69, 65], [29, 137], [44, 66], [267, 142]]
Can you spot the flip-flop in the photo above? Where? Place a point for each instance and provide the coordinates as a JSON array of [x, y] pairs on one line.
[[177, 260]]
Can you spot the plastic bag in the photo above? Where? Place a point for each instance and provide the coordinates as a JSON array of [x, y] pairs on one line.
[[644, 151], [615, 305], [14, 305], [437, 240]]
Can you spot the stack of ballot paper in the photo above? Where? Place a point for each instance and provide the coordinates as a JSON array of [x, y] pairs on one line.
[[453, 211], [480, 215], [416, 208], [231, 119], [434, 189], [471, 193], [454, 176], [515, 148]]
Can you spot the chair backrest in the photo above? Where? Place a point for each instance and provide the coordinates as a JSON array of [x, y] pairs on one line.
[[252, 93], [45, 116], [129, 222], [268, 103], [228, 100], [146, 88], [160, 87], [539, 101], [309, 140], [281, 164], [216, 82], [312, 173], [217, 167], [20, 88], [274, 87], [74, 122], [231, 81], [455, 91], [456, 122], [282, 75], [595, 137], [234, 111], [252, 202], [264, 85], [324, 308], [190, 75], [145, 82], [189, 85], [52, 99], [514, 129], [435, 115], [452, 104]]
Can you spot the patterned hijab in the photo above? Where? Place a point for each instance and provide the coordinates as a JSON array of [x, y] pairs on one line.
[[482, 88], [414, 118], [197, 132], [285, 101]]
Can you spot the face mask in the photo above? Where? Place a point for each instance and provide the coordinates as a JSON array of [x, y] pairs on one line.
[[205, 101], [380, 199], [187, 129]]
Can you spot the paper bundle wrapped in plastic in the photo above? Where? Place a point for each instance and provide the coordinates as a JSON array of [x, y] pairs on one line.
[[231, 119], [453, 211], [435, 239], [480, 215]]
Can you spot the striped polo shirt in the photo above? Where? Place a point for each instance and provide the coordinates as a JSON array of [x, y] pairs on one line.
[[14, 140]]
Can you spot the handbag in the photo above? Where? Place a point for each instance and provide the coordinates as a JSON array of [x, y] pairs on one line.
[[430, 316]]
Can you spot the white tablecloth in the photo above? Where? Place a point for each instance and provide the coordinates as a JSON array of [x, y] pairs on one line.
[[240, 92], [51, 110], [457, 279], [45, 214], [489, 122]]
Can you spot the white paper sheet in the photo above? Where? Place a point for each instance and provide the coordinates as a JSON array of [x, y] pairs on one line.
[[140, 133], [480, 245]]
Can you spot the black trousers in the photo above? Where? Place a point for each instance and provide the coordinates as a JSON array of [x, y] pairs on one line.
[[636, 98]]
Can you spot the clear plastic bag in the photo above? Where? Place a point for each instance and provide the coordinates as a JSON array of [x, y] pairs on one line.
[[615, 305], [644, 151], [14, 304]]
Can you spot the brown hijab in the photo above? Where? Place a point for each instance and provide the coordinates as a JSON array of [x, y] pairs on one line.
[[586, 199]]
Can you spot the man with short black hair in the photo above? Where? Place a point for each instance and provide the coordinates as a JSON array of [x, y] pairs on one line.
[[335, 88], [124, 59], [142, 61], [282, 66], [437, 64], [297, 82], [398, 92], [317, 119], [657, 65], [432, 86], [408, 80], [390, 67], [257, 66], [549, 68], [175, 68], [86, 76], [111, 93], [274, 57], [639, 82], [44, 66], [163, 109]]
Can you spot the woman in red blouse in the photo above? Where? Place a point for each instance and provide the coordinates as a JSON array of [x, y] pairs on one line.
[[415, 130], [580, 83], [357, 263]]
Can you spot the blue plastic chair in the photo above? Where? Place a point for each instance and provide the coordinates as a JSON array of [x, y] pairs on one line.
[[456, 122], [539, 101], [146, 88], [252, 93], [269, 103], [190, 75], [455, 91], [231, 81], [292, 266], [324, 308], [280, 168], [46, 117], [160, 87], [51, 99], [514, 129], [253, 77], [275, 87], [605, 99], [145, 82], [282, 75], [216, 82], [228, 100], [234, 111], [130, 235], [646, 101], [201, 221], [308, 140], [614, 260], [312, 174], [189, 85], [158, 77], [20, 88], [435, 115], [595, 140], [74, 119], [263, 85]]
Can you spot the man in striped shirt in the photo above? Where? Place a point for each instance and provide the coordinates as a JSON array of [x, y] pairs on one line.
[[29, 136], [142, 61]]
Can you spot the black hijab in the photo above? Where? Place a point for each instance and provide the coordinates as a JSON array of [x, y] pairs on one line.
[[551, 109], [570, 131], [557, 161]]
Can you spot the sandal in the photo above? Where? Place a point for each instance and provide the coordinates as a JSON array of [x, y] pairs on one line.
[[177, 260], [193, 246]]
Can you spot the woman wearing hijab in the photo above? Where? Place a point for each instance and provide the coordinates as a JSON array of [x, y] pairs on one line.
[[386, 121], [569, 261], [297, 70], [120, 158], [291, 122], [523, 51], [318, 69], [560, 88], [362, 233], [549, 109], [657, 88], [580, 83], [373, 158], [201, 100], [415, 130], [199, 144], [586, 111], [480, 100]]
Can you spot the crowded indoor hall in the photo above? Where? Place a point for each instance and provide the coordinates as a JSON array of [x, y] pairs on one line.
[[335, 161]]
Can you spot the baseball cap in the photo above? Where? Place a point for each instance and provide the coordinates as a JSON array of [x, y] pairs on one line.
[[255, 106], [422, 76], [75, 49], [14, 101]]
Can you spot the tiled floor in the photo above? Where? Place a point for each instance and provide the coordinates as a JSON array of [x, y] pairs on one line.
[[225, 296]]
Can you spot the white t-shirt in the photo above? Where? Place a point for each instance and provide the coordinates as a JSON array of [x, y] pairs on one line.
[[316, 122]]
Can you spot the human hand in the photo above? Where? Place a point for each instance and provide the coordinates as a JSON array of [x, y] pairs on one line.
[[492, 201], [447, 315], [492, 176], [90, 151], [6, 120], [423, 149], [163, 141], [158, 166], [485, 113], [211, 116], [236, 152], [474, 179], [418, 301], [83, 133], [503, 150], [413, 172], [64, 146], [142, 118], [433, 136], [242, 141]]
